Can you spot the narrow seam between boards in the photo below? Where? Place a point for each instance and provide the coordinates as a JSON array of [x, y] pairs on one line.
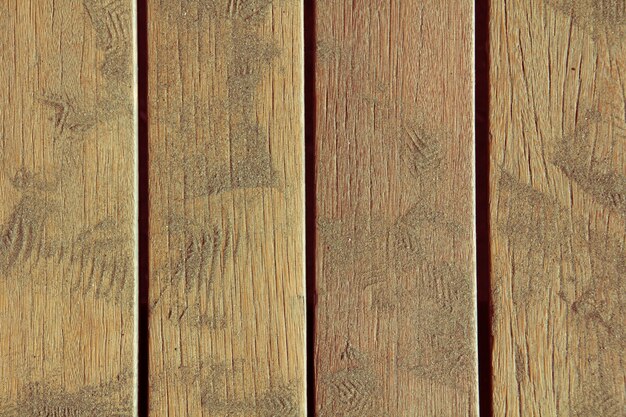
[[482, 205], [143, 169], [310, 116]]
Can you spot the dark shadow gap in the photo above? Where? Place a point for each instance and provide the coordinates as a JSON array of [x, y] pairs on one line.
[[483, 232], [144, 210], [310, 119]]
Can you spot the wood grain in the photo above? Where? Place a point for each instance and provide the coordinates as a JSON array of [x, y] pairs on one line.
[[558, 207], [395, 316], [227, 323], [68, 212]]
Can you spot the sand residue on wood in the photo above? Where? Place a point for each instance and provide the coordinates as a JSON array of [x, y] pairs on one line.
[[204, 376], [245, 162], [546, 236], [73, 116], [329, 51], [538, 228], [352, 391], [76, 114], [597, 401], [250, 11], [599, 303], [199, 255], [202, 250], [364, 254], [422, 148], [28, 181], [22, 232], [112, 23], [574, 155], [98, 260], [368, 251], [552, 249], [73, 112], [521, 365], [110, 399], [440, 348], [101, 254], [598, 17], [421, 144], [273, 402], [201, 174], [209, 377]]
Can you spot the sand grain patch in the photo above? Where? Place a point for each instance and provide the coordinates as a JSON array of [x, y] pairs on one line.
[[597, 17], [110, 399], [351, 391]]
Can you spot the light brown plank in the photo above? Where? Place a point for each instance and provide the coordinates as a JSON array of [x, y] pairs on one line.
[[68, 208], [395, 313], [227, 324], [558, 207]]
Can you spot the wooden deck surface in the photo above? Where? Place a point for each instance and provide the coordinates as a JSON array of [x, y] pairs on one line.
[[395, 278], [381, 230], [226, 132], [558, 207], [68, 208]]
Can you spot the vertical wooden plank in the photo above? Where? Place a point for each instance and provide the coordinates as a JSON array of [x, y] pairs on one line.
[[227, 325], [395, 317], [68, 209], [558, 206]]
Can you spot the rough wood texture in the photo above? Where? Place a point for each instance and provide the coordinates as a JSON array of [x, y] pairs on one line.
[[68, 209], [395, 317], [558, 207], [227, 325]]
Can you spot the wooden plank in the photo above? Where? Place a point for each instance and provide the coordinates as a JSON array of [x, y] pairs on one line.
[[68, 212], [395, 316], [227, 324], [558, 206]]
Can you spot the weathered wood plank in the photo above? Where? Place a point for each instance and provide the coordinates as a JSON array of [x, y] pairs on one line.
[[395, 313], [558, 206], [68, 209], [227, 325]]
